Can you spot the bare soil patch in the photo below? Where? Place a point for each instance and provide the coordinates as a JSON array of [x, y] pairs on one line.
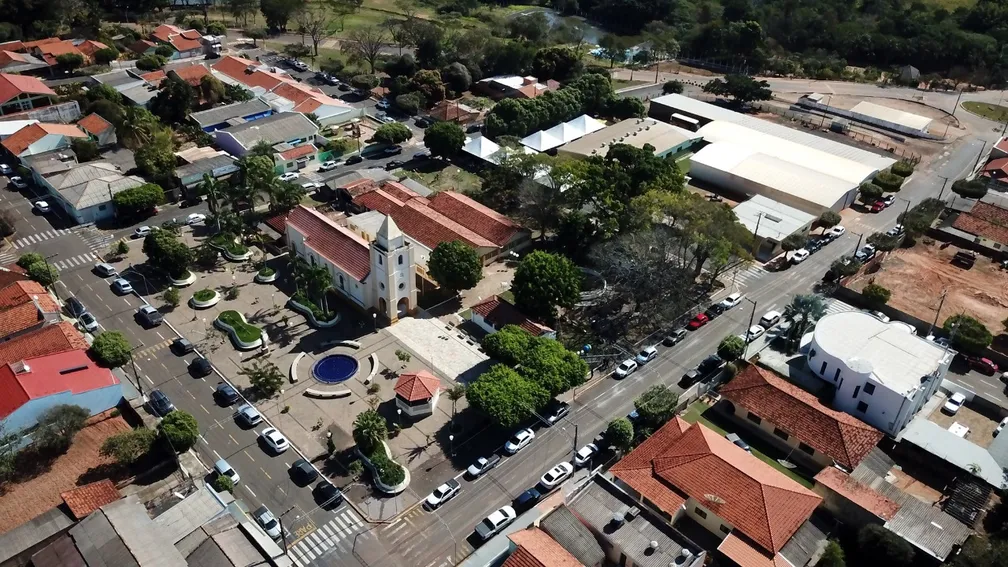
[[917, 277]]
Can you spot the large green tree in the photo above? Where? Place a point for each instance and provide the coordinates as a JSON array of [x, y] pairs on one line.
[[543, 282], [880, 546], [620, 434], [455, 266], [731, 347], [180, 430], [656, 405], [137, 201], [58, 425], [127, 447], [175, 100], [967, 333], [264, 377], [392, 133], [742, 89], [164, 250], [444, 139], [506, 397], [110, 349], [508, 345]]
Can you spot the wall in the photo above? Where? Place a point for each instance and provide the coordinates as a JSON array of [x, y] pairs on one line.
[[766, 430], [351, 288], [48, 143], [711, 523], [96, 401], [845, 510], [857, 116], [96, 213], [227, 143], [64, 112]]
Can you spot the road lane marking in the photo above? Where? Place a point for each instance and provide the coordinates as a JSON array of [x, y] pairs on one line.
[[266, 473], [217, 454], [247, 455], [203, 439], [204, 409], [282, 490], [160, 335], [192, 396], [390, 526], [250, 491], [148, 379]]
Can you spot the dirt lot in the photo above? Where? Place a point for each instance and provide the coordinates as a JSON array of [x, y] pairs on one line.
[[981, 427], [81, 464], [917, 277]]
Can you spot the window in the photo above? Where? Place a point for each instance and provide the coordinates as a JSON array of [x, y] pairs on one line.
[[341, 281], [381, 285], [700, 513], [805, 448], [401, 285], [812, 353], [862, 407], [379, 260], [102, 207], [837, 375], [780, 433], [725, 529], [823, 369], [754, 418], [400, 259], [857, 390], [869, 389]]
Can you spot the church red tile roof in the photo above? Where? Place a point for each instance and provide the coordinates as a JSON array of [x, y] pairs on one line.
[[333, 242], [840, 436], [759, 501], [418, 220], [417, 386], [499, 313], [478, 218]]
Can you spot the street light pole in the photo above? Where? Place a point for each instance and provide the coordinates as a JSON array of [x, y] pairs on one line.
[[944, 183], [50, 271], [752, 315], [136, 374]]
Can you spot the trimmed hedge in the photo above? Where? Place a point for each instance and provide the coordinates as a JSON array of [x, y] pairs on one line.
[[320, 315], [889, 182], [902, 168], [389, 472], [246, 333]]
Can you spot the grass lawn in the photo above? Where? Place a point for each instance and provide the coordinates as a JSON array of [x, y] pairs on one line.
[[987, 110], [694, 413], [618, 84], [246, 333], [204, 295], [443, 176]]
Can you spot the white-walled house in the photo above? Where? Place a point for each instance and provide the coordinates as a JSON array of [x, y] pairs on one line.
[[883, 374], [378, 276]]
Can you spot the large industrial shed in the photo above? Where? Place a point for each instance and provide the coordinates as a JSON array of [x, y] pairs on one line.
[[749, 156]]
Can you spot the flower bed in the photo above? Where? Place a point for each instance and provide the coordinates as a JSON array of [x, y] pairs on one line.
[[266, 275], [244, 336], [316, 317], [233, 250], [205, 298], [188, 278], [389, 476]]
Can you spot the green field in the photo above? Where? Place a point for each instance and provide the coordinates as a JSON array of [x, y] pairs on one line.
[[695, 412], [442, 176], [987, 110], [618, 84]]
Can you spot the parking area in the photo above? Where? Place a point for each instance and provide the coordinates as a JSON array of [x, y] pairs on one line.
[[980, 427]]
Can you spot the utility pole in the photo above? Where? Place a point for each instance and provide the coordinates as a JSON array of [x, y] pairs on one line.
[[956, 107], [50, 271], [937, 313], [283, 532], [136, 374], [943, 187], [983, 146], [858, 247], [752, 315]]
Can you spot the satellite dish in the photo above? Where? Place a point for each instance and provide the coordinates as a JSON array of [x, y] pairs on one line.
[[714, 498], [787, 464]]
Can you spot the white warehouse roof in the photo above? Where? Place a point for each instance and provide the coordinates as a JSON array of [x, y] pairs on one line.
[[895, 357], [910, 120], [684, 104], [807, 157], [774, 220]]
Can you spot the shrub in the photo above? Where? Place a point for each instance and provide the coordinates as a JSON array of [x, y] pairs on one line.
[[870, 193], [204, 295], [121, 248], [232, 293], [620, 433], [246, 333], [266, 271], [127, 447], [889, 182], [222, 484], [216, 28], [171, 296], [967, 334], [876, 294], [150, 62], [389, 473], [164, 51], [111, 349], [902, 168], [317, 311], [106, 55], [28, 259], [672, 87], [731, 348]]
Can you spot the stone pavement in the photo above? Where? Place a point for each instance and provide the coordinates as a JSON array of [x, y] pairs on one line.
[[454, 353]]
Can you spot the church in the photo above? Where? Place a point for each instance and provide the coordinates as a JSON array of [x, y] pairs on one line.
[[378, 276]]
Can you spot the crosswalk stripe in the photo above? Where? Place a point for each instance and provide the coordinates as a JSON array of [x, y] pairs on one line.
[[340, 522]]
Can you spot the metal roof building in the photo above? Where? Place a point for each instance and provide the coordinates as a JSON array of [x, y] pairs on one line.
[[886, 114], [665, 138], [956, 451]]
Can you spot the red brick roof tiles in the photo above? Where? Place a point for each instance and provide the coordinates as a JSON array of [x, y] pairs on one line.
[[14, 85], [88, 47], [419, 221], [985, 220], [297, 152], [758, 500], [417, 386], [234, 67], [86, 499], [8, 57], [18, 311], [155, 77], [192, 74], [521, 557], [478, 218], [842, 437], [540, 550], [499, 313], [335, 243], [165, 31], [743, 553], [51, 339], [20, 141], [182, 43], [94, 124], [860, 494]]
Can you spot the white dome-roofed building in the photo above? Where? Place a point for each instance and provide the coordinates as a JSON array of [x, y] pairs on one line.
[[883, 374]]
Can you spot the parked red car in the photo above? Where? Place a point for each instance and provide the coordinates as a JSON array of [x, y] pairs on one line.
[[878, 206], [983, 365], [699, 321]]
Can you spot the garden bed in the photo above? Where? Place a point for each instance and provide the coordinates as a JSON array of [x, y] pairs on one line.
[[389, 476], [205, 298], [232, 249], [313, 313], [266, 275], [187, 279], [243, 335]]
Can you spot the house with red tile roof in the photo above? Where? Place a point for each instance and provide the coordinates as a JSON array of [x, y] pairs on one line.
[[21, 63], [83, 500], [689, 471], [446, 217], [41, 137], [852, 501], [495, 312], [377, 276], [535, 548], [25, 306], [29, 387], [50, 339], [513, 86], [186, 43], [19, 93], [98, 129], [417, 393], [794, 420]]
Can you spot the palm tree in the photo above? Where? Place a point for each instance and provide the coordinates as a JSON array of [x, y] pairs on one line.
[[369, 429], [137, 127], [213, 189], [455, 393], [802, 313]]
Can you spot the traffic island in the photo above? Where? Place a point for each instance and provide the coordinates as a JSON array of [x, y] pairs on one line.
[[243, 335], [204, 298]]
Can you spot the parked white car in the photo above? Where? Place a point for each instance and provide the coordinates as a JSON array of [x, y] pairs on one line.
[[274, 439], [556, 475], [731, 301], [88, 321], [495, 522], [328, 165], [42, 207], [953, 404], [585, 454], [647, 355], [267, 521], [443, 493], [836, 231], [799, 256], [769, 319], [1001, 426], [195, 218], [290, 176], [626, 368], [222, 468], [141, 231], [755, 332], [519, 441]]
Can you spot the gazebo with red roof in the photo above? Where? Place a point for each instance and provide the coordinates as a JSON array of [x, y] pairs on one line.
[[417, 393]]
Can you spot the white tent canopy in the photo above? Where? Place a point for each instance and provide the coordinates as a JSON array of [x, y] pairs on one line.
[[561, 134], [480, 147]]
